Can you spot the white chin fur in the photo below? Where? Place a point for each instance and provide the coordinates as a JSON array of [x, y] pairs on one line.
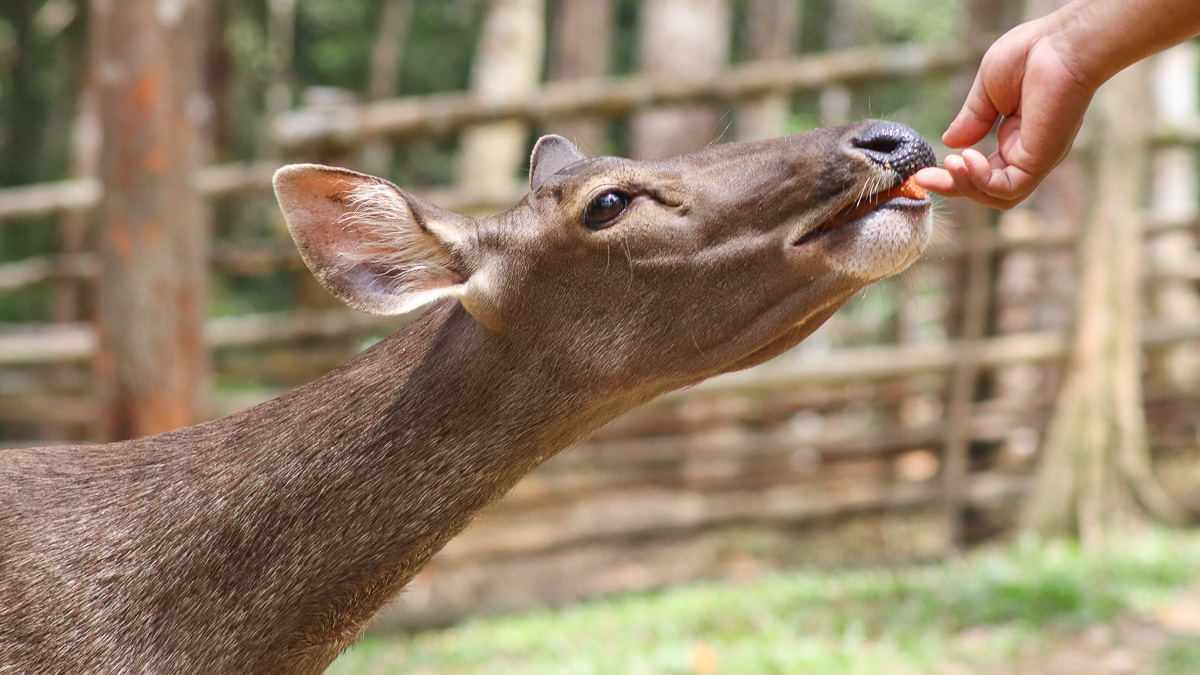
[[883, 242]]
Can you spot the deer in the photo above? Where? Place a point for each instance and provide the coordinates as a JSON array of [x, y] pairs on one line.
[[264, 542]]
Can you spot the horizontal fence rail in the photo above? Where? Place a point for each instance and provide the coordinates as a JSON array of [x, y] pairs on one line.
[[614, 97], [83, 194]]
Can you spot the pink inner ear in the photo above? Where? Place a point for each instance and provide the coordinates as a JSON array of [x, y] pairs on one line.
[[319, 200], [360, 238]]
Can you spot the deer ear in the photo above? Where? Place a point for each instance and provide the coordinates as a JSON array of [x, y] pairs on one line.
[[376, 248], [551, 155]]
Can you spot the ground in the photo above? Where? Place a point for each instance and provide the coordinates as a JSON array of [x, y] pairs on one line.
[[1025, 608]]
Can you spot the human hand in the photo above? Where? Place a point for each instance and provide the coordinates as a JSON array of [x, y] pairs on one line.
[[1030, 82]]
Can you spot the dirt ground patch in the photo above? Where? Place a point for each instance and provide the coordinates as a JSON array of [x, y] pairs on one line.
[[1166, 642]]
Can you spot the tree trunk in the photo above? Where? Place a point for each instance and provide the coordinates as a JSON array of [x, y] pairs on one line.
[[508, 64], [152, 367], [581, 47], [281, 37], [772, 29], [1095, 477], [689, 39], [382, 82], [1174, 198]]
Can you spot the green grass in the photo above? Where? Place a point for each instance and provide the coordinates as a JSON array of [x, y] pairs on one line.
[[985, 613]]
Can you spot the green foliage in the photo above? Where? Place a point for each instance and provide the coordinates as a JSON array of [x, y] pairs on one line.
[[43, 50], [625, 37], [987, 610], [237, 295], [912, 20], [28, 306], [1180, 657], [246, 80], [829, 23], [41, 54], [17, 241], [440, 45], [43, 44], [336, 39]]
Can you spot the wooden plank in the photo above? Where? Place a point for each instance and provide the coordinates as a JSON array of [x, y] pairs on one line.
[[875, 363], [658, 513], [76, 342], [50, 409], [83, 195], [610, 462], [36, 344], [24, 273], [976, 303]]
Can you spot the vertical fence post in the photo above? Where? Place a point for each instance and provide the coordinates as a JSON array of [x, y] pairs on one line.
[[976, 303]]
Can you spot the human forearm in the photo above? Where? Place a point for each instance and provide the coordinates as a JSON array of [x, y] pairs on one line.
[[1106, 36]]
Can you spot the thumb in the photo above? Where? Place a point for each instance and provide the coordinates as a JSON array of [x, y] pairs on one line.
[[974, 120]]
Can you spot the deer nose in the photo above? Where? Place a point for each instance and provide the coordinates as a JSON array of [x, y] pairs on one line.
[[894, 146]]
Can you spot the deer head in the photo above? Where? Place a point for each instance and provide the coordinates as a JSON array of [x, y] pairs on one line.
[[658, 273]]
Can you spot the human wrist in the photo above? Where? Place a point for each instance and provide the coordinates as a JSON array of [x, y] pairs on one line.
[[1097, 39], [1076, 33]]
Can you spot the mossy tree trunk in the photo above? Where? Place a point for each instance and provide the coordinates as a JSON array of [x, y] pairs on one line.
[[152, 367], [1095, 477]]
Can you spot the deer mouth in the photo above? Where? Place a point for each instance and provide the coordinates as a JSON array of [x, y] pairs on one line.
[[904, 196]]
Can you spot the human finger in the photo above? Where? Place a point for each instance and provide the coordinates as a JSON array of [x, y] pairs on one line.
[[972, 175], [937, 180]]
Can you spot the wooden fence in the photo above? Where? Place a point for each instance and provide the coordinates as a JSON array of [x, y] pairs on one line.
[[895, 451]]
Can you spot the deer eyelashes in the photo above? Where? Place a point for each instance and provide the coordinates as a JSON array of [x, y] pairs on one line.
[[604, 209]]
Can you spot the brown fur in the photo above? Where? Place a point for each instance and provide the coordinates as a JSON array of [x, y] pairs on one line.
[[264, 542]]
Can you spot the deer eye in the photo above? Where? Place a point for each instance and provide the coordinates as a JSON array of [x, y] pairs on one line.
[[604, 209]]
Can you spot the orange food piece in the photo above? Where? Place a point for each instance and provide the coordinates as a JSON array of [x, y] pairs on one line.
[[910, 189]]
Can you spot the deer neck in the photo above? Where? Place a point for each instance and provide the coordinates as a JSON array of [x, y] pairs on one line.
[[389, 456], [446, 393]]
